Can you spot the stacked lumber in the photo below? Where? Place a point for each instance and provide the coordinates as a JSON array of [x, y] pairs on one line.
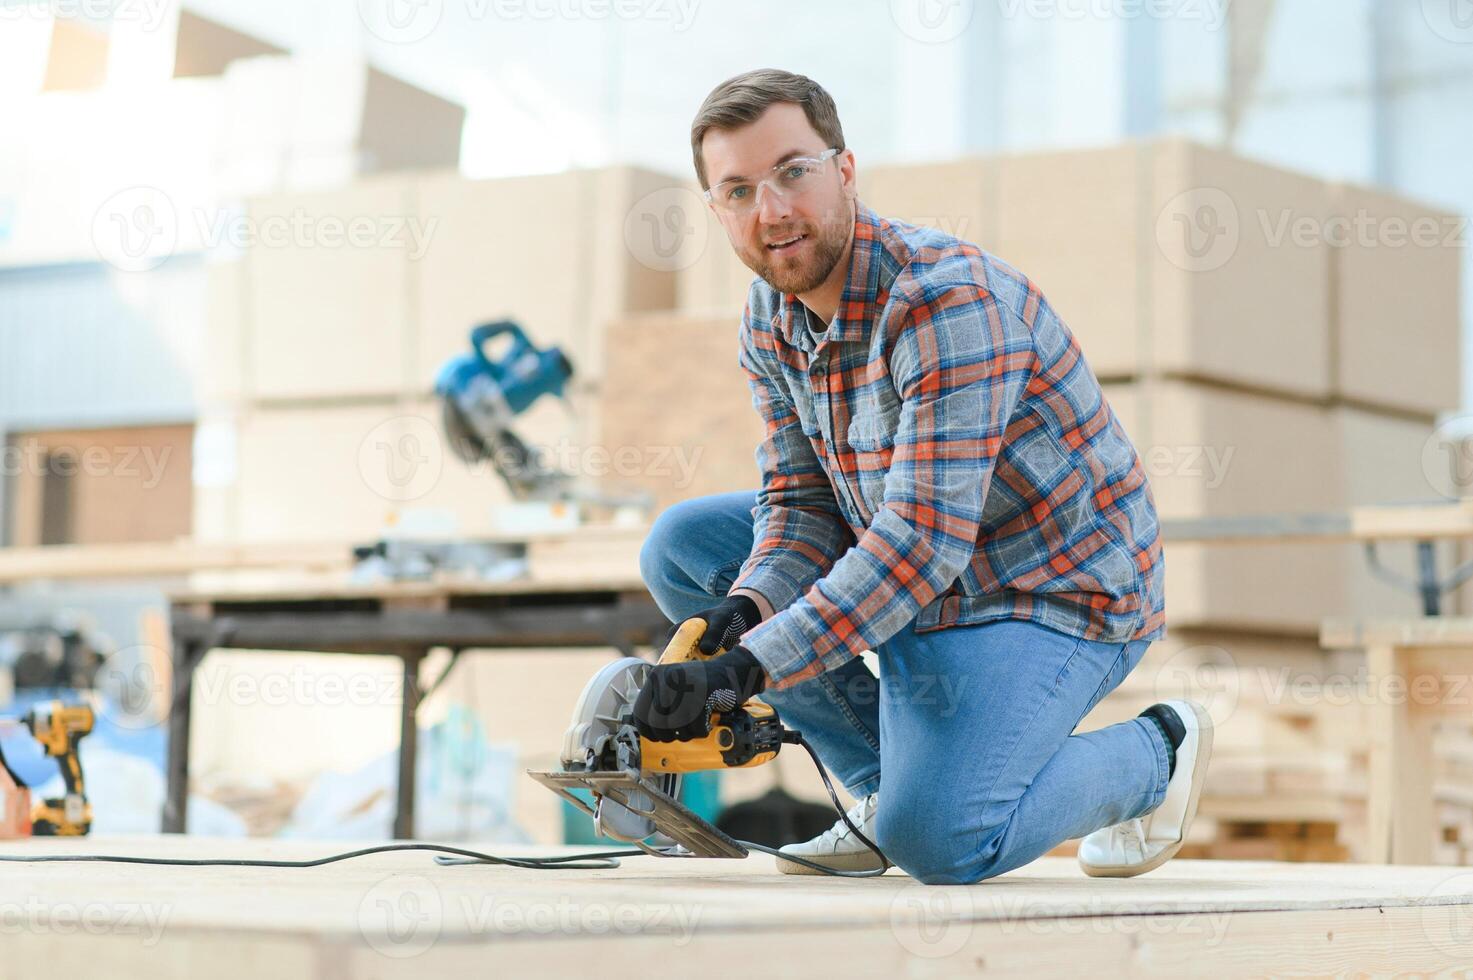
[[1288, 779]]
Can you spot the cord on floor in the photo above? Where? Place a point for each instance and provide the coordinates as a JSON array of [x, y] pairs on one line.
[[594, 860]]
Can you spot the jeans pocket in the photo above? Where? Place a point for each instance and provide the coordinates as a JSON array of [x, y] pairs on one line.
[[1122, 665], [728, 573]]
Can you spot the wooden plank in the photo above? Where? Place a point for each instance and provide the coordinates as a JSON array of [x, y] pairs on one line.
[[1433, 520], [1401, 770], [336, 588], [185, 556], [401, 915], [1407, 631], [146, 560]]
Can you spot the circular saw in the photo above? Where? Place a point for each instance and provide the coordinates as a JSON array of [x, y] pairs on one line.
[[635, 782]]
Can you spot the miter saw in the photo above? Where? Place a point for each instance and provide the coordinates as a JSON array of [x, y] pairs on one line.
[[635, 782], [480, 395]]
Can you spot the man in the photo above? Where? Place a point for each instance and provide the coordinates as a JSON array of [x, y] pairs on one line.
[[942, 483]]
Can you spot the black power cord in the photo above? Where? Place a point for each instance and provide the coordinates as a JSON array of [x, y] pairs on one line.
[[594, 860]]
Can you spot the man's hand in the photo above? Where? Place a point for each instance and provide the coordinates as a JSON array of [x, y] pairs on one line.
[[725, 623], [676, 702]]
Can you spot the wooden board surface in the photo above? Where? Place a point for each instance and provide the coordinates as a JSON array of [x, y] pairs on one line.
[[402, 915], [337, 588], [1410, 631]]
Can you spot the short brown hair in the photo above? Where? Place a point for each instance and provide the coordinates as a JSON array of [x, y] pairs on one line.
[[742, 98]]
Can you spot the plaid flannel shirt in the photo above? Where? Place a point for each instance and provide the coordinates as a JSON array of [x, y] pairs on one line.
[[944, 456]]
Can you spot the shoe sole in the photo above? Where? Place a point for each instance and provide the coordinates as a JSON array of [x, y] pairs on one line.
[[1199, 774], [862, 861]]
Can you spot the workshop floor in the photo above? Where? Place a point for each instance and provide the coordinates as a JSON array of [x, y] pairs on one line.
[[402, 915]]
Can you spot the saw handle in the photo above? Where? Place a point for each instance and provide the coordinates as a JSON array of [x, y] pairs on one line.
[[682, 646]]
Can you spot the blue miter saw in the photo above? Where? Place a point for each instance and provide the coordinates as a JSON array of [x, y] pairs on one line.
[[480, 395]]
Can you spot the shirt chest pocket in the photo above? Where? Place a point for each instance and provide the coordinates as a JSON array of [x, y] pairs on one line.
[[802, 401], [875, 419], [871, 438]]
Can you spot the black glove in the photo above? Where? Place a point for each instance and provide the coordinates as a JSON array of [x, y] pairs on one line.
[[725, 623], [676, 701]]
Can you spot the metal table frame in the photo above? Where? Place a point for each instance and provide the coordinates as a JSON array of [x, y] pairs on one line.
[[407, 621]]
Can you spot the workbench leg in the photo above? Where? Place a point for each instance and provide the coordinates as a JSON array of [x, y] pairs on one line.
[[186, 654], [1399, 797], [408, 745]]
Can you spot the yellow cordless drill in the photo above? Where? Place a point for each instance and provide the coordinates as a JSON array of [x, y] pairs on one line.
[[59, 727]]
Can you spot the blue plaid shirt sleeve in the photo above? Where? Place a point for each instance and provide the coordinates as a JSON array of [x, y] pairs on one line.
[[798, 530], [960, 364]]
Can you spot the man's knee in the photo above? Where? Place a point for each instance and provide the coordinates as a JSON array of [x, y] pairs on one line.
[[926, 841], [656, 555], [677, 556]]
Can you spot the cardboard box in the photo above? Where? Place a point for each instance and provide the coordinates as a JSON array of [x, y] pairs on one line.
[[1217, 452], [220, 377], [204, 47], [689, 428], [328, 292], [307, 122], [355, 472], [1398, 269], [78, 57], [557, 253], [100, 486], [1172, 259], [330, 473], [1384, 461], [958, 197]]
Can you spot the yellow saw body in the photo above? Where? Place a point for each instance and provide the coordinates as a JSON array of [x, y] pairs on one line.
[[635, 782]]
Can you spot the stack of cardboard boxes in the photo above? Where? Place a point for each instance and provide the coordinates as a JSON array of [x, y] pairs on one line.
[[335, 429]]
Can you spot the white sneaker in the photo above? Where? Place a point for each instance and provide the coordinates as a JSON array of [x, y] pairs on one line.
[[837, 847], [1138, 845]]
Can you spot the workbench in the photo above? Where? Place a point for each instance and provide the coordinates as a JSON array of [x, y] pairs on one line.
[[1417, 671], [401, 915], [402, 619]]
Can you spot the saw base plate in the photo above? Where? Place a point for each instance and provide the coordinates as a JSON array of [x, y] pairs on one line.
[[696, 837]]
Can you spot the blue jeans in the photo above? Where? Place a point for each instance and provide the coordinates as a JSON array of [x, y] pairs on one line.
[[970, 726]]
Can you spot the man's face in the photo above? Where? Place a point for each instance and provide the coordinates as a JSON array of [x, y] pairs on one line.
[[821, 218]]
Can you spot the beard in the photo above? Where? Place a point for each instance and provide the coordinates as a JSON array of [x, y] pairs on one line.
[[811, 267]]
